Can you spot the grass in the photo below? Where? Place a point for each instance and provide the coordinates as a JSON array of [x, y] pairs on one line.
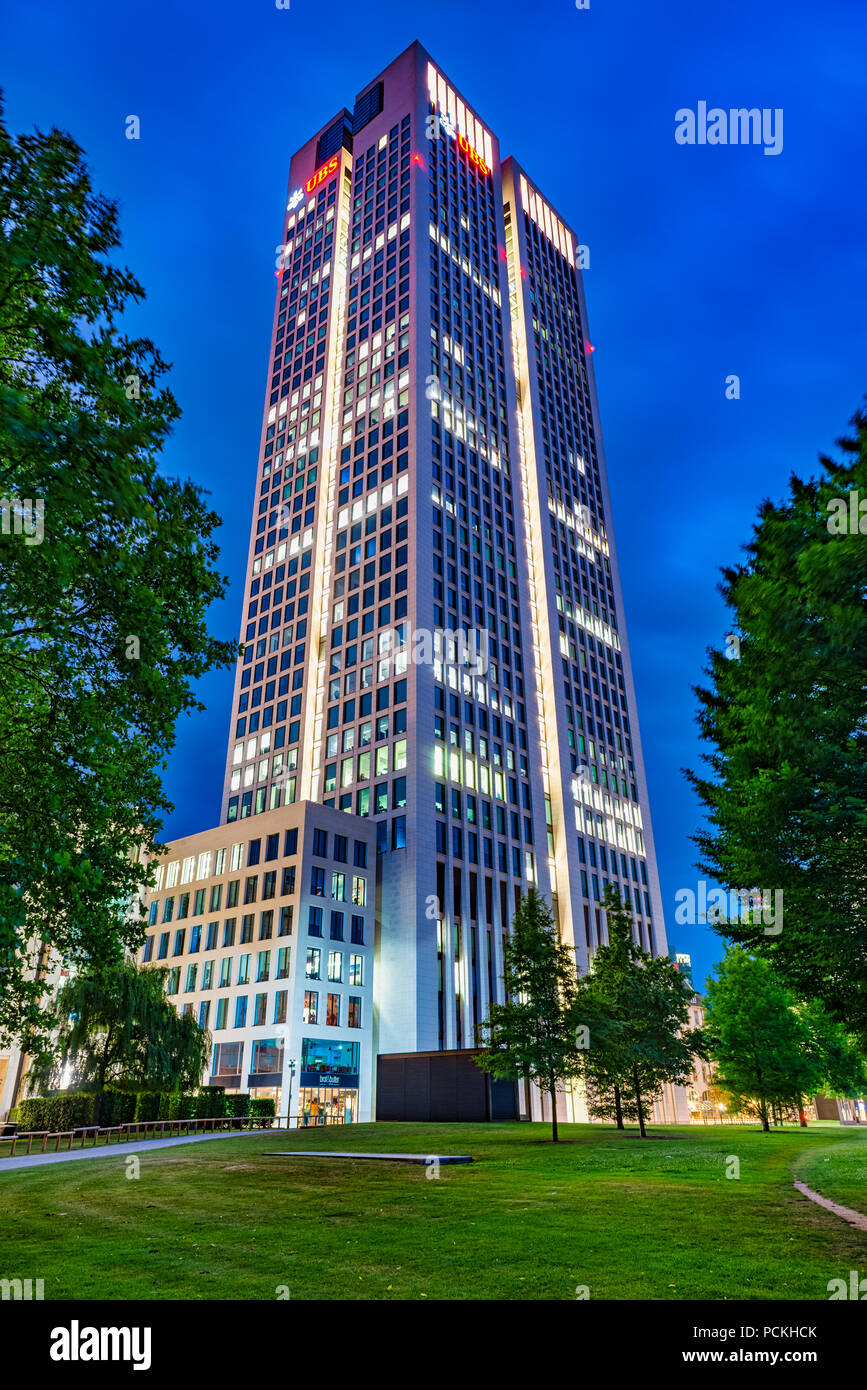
[[528, 1220], [839, 1173]]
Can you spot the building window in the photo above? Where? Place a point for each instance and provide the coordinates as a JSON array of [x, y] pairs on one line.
[[317, 882], [204, 1013], [321, 1054], [208, 974], [338, 887], [267, 1056], [314, 922], [227, 1057], [354, 1019], [226, 971], [263, 966], [148, 951], [266, 925], [222, 1012], [174, 980], [192, 971], [211, 941], [163, 951], [246, 928], [337, 926], [250, 887], [243, 969], [335, 967], [311, 1005], [357, 937], [280, 1006], [359, 891], [283, 958], [360, 855], [314, 957], [286, 916], [260, 1015], [320, 844], [241, 1011], [356, 970]]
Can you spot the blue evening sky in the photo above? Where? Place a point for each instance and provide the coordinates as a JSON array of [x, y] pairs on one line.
[[704, 261]]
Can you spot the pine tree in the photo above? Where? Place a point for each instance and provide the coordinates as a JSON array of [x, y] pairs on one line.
[[784, 721], [635, 1008], [532, 1034]]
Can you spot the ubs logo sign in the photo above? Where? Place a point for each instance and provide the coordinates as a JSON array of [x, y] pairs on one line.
[[474, 157], [451, 130], [322, 173]]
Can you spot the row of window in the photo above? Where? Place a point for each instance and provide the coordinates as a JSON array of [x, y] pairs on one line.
[[257, 1017]]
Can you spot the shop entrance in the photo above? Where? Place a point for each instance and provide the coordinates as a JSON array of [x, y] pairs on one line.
[[330, 1105]]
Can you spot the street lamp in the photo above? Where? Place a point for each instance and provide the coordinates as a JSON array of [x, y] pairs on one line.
[[291, 1065]]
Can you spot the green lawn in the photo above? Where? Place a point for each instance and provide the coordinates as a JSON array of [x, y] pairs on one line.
[[838, 1172], [527, 1220]]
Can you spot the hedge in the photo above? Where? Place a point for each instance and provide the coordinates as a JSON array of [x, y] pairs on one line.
[[237, 1106], [212, 1103], [75, 1109], [147, 1106], [116, 1108]]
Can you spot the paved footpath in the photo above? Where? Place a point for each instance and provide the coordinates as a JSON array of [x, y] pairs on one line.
[[109, 1150]]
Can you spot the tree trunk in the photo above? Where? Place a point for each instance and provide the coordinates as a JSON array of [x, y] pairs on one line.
[[618, 1108], [641, 1128], [763, 1107], [553, 1094], [103, 1068]]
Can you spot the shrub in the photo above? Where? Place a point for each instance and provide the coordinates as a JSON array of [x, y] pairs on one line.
[[117, 1107], [66, 1110], [165, 1100], [147, 1106], [262, 1108], [181, 1106], [213, 1099], [32, 1113], [237, 1106]]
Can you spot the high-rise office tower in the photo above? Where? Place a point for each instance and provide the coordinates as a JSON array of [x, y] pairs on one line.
[[433, 621]]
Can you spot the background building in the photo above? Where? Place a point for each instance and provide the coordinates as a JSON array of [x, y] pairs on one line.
[[269, 941]]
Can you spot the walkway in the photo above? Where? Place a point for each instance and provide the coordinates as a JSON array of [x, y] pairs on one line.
[[855, 1218], [109, 1150]]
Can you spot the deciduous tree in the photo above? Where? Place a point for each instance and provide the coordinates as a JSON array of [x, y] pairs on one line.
[[102, 615]]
